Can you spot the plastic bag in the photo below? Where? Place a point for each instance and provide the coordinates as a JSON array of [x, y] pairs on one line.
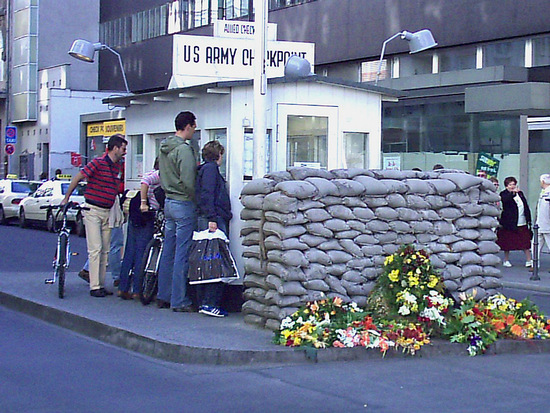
[[210, 259]]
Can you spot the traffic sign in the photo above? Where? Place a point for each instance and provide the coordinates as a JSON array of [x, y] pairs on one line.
[[10, 149], [11, 134]]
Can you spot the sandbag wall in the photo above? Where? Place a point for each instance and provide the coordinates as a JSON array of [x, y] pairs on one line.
[[309, 233]]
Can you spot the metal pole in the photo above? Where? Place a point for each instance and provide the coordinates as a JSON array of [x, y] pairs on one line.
[[382, 55], [535, 276], [260, 89]]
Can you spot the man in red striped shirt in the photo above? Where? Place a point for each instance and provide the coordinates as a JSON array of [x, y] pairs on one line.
[[104, 175]]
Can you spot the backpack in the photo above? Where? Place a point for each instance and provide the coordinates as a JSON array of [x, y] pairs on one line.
[[138, 218], [160, 196]]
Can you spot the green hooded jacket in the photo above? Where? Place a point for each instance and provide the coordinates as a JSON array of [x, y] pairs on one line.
[[178, 169]]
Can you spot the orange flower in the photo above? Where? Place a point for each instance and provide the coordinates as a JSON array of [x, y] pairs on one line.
[[516, 330], [499, 325], [314, 307], [510, 319], [338, 301]]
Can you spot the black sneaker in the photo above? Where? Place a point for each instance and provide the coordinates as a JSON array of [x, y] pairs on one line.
[[97, 293], [106, 292], [162, 303], [184, 309], [85, 275]]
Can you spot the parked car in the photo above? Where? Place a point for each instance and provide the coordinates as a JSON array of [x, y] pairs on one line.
[[51, 193], [12, 192]]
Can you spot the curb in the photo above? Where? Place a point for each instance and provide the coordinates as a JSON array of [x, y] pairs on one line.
[[179, 353], [524, 286]]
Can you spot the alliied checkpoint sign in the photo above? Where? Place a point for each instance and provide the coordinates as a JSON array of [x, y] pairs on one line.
[[225, 58]]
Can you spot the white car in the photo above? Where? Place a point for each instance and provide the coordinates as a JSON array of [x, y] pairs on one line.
[[51, 193], [12, 192]]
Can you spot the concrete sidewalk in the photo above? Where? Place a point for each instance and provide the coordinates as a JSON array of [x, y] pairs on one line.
[[196, 338]]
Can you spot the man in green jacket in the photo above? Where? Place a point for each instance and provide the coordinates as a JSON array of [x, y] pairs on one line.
[[178, 168]]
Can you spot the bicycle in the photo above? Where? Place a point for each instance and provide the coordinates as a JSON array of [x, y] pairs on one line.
[[62, 257], [151, 260]]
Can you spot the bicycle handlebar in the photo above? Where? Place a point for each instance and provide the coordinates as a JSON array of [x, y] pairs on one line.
[[67, 206]]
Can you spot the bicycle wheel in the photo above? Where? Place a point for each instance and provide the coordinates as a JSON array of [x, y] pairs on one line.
[[61, 260], [149, 270]]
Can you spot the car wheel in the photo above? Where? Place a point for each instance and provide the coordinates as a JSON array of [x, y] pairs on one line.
[[79, 228], [3, 219], [50, 222], [22, 220]]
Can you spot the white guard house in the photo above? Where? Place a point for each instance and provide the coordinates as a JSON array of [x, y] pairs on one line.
[[312, 121]]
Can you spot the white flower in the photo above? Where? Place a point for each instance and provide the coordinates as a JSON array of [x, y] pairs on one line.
[[404, 310], [287, 323]]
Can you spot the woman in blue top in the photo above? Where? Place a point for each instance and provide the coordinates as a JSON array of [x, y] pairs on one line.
[[214, 213]]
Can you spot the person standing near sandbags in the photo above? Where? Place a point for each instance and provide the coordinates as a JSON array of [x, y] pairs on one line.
[[515, 223], [543, 215], [214, 213]]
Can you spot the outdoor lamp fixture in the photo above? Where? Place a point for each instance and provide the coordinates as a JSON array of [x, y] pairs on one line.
[[85, 51], [418, 42], [297, 67]]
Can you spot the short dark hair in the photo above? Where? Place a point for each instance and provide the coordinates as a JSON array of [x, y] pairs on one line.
[[438, 166], [510, 179], [183, 119], [212, 150], [116, 140]]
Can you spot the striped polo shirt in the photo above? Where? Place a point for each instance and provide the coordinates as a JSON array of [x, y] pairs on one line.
[[103, 178]]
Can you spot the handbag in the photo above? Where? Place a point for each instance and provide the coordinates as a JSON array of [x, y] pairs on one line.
[[116, 216]]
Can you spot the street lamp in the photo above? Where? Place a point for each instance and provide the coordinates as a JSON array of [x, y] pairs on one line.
[[85, 51], [418, 42]]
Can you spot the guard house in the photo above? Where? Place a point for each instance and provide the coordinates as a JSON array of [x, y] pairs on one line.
[[312, 121]]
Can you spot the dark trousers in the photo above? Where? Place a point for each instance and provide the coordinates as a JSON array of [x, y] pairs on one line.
[[136, 241]]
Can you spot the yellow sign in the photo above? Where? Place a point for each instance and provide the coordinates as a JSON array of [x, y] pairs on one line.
[[106, 128], [11, 176], [64, 176]]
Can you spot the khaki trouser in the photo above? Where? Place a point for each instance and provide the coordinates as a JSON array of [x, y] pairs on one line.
[[98, 239]]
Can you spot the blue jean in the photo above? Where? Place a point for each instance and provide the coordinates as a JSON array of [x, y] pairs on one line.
[[181, 221], [136, 241], [115, 257]]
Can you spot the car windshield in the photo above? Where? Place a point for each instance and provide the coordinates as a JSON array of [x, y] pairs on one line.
[[22, 187], [79, 190]]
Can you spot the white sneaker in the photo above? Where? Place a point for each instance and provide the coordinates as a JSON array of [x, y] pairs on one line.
[[507, 264], [529, 263]]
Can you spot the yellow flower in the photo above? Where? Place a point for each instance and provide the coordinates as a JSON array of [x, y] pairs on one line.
[[394, 275], [433, 281], [388, 260], [413, 256], [286, 333]]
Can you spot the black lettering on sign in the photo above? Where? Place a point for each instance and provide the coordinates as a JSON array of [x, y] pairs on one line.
[[188, 54], [220, 55], [248, 57]]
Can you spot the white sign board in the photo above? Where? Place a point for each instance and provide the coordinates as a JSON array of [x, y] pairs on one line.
[[219, 58], [392, 162], [241, 30]]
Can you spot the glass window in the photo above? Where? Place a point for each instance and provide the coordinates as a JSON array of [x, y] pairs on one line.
[[457, 59], [21, 187], [136, 155], [369, 70], [221, 136], [248, 154], [504, 54], [415, 64], [541, 51], [307, 143], [356, 150]]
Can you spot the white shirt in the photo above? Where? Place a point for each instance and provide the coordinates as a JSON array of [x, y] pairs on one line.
[[543, 211], [521, 211]]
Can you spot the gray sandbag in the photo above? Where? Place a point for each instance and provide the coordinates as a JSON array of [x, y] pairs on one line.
[[352, 288], [379, 260], [283, 231], [426, 238], [337, 270], [487, 235], [285, 312], [488, 247], [253, 280], [395, 186], [473, 193], [315, 272], [292, 288], [285, 272], [471, 234], [291, 257], [317, 285], [254, 266], [255, 320], [491, 271], [406, 239], [252, 214], [437, 201], [396, 201], [331, 244], [419, 227], [448, 257], [330, 200], [364, 214], [457, 198], [377, 226], [390, 249], [250, 226], [435, 247], [372, 186], [449, 239], [279, 202], [386, 237], [359, 263], [400, 227], [353, 276], [407, 214], [451, 285], [374, 202], [253, 307], [313, 295], [487, 185], [371, 273], [451, 272], [489, 196], [450, 213], [366, 239], [372, 250], [251, 239], [462, 180], [478, 293], [258, 186], [472, 210], [305, 204], [471, 282], [441, 186], [389, 174], [252, 251], [349, 234], [491, 210], [324, 186], [386, 213], [317, 256], [357, 225], [312, 240], [418, 186], [416, 202], [353, 201], [336, 224], [300, 173], [335, 285], [340, 211], [273, 242], [463, 245], [351, 247], [437, 262], [272, 311], [297, 189], [256, 294], [490, 259], [353, 172], [273, 282], [348, 187], [317, 228], [491, 282], [293, 218], [253, 201], [361, 300], [471, 270], [429, 215], [339, 257], [279, 176], [317, 215], [488, 222], [469, 257]]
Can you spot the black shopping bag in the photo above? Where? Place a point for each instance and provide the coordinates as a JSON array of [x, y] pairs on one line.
[[210, 259]]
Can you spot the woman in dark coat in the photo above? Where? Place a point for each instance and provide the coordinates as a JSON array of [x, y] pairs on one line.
[[214, 213], [515, 223]]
